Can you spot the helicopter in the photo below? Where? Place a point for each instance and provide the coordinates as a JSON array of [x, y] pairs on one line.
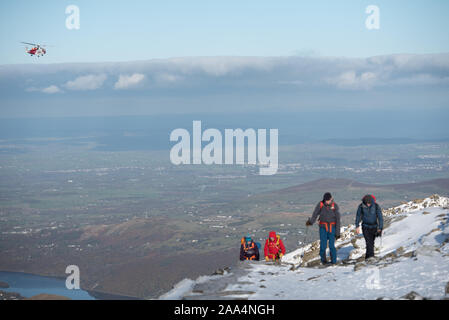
[[37, 49]]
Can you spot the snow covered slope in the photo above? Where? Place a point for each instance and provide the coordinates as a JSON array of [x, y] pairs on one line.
[[412, 262]]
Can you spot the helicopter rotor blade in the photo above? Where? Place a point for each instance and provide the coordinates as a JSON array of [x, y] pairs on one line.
[[33, 44]]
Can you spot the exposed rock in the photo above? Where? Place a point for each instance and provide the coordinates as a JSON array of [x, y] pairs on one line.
[[197, 291], [447, 288], [221, 272], [432, 231], [311, 253], [391, 254], [359, 266], [425, 212], [354, 243], [356, 254], [410, 254], [313, 263], [10, 296], [218, 272], [412, 295]]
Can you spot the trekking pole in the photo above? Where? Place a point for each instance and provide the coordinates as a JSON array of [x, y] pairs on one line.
[[305, 235], [381, 241]]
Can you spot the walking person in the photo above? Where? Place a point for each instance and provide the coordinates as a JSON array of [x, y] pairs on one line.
[[329, 221], [370, 214]]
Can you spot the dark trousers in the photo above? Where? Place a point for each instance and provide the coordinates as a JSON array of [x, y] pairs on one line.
[[370, 235]]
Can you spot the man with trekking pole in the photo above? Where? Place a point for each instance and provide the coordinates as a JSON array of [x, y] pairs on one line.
[[329, 221], [370, 214]]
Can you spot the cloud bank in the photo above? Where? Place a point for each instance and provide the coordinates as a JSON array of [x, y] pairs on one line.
[[237, 83]]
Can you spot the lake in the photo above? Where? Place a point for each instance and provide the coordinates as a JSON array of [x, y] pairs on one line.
[[28, 285]]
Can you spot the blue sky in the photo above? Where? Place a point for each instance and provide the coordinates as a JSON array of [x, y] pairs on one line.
[[154, 57], [141, 30]]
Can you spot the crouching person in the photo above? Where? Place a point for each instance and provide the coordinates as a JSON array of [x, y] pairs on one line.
[[274, 247], [249, 249]]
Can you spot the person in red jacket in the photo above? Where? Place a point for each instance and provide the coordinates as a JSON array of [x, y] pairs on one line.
[[274, 247]]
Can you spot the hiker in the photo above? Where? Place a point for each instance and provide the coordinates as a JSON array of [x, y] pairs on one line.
[[329, 222], [274, 247], [248, 249], [370, 214]]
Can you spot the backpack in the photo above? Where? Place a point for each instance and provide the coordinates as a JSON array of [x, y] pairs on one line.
[[332, 205], [375, 204], [243, 242], [278, 238]]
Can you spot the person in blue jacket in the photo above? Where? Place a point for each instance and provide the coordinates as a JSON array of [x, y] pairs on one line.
[[370, 214]]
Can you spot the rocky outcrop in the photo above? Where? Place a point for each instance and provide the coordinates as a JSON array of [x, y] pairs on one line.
[[418, 204], [412, 295], [10, 296]]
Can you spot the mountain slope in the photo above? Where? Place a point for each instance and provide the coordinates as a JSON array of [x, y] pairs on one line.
[[412, 262]]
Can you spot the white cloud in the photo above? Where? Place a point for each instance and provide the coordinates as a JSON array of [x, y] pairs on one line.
[[51, 89], [127, 81], [89, 82]]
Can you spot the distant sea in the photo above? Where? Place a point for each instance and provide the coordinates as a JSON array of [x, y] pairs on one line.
[[128, 133]]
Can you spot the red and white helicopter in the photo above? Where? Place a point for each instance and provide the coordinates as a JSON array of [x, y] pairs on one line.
[[37, 49]]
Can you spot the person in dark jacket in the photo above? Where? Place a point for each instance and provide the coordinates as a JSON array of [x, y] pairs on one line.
[[329, 222], [249, 249], [370, 214]]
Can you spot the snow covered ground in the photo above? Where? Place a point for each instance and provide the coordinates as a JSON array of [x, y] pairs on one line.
[[412, 256]]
